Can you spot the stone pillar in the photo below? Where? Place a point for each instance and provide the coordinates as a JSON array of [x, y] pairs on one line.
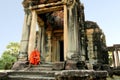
[[54, 49], [73, 48], [32, 37], [58, 50], [42, 44], [113, 56], [39, 42], [65, 31], [117, 57], [25, 36], [90, 50], [48, 59], [82, 35]]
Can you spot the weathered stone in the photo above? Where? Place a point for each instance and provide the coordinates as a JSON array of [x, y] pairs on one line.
[[81, 75], [3, 75], [48, 1], [71, 65], [64, 35], [19, 65], [116, 72], [58, 65], [81, 65], [23, 56]]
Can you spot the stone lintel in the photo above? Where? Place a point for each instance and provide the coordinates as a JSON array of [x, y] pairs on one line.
[[45, 10], [58, 31], [40, 6], [110, 48], [116, 45]]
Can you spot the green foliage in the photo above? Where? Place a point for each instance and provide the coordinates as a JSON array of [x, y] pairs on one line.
[[110, 58], [13, 48], [9, 56], [7, 61]]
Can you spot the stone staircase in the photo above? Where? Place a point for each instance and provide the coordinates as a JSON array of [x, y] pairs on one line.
[[54, 71], [38, 72], [31, 75], [41, 67]]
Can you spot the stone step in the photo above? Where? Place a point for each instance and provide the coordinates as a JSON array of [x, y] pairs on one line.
[[33, 73], [57, 75], [39, 69], [30, 78], [42, 65]]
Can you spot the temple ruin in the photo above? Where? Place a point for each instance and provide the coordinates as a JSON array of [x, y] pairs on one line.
[[115, 49], [59, 30], [72, 48]]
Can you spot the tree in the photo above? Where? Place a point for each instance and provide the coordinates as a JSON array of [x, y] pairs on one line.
[[13, 48], [9, 56]]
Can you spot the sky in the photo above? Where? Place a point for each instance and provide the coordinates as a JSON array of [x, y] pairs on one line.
[[106, 13]]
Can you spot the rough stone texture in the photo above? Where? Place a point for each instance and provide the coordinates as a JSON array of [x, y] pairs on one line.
[[71, 65], [116, 72], [58, 65], [40, 67], [115, 77], [72, 35], [81, 75], [31, 75], [20, 65], [27, 3], [82, 65], [47, 1], [3, 75]]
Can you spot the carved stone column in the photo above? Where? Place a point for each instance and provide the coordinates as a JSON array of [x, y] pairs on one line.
[[91, 54], [25, 36], [39, 43], [42, 44], [32, 37], [49, 55], [117, 57], [113, 56], [65, 30], [73, 52]]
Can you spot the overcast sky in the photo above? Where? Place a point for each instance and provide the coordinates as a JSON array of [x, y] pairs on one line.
[[106, 13]]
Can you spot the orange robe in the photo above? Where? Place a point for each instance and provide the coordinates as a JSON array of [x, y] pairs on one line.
[[34, 57]]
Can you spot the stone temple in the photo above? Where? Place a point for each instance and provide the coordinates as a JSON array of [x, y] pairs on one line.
[[59, 30], [71, 48]]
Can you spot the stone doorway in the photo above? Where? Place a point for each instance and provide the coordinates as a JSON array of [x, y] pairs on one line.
[[61, 50], [56, 21]]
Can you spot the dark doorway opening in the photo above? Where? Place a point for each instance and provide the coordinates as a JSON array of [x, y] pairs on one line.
[[61, 50]]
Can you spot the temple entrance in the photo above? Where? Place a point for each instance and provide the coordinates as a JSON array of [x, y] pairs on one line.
[[61, 50]]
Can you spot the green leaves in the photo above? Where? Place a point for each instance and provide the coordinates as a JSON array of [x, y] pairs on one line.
[[13, 48], [9, 56]]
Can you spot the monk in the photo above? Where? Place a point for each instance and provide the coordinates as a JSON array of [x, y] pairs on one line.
[[34, 57]]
